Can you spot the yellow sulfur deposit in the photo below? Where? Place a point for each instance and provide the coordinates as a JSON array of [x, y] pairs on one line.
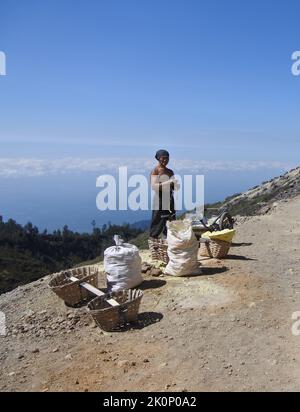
[[226, 235]]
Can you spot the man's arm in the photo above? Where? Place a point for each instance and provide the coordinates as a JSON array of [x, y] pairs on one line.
[[161, 180]]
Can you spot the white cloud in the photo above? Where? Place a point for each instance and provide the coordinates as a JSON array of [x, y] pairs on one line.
[[26, 167]]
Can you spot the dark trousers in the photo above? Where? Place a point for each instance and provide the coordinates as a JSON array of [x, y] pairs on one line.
[[160, 218]]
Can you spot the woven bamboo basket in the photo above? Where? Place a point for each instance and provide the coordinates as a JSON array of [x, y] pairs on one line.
[[217, 249], [111, 318], [159, 249], [71, 292]]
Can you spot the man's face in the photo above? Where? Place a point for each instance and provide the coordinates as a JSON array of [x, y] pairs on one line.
[[164, 160]]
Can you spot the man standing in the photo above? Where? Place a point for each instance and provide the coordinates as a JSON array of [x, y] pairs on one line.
[[163, 184]]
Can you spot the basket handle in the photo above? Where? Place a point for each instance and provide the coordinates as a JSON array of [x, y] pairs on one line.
[[94, 290]]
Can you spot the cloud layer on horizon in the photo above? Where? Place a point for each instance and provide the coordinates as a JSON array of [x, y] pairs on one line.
[[32, 167]]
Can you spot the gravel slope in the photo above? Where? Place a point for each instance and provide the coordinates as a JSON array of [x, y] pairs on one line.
[[228, 329]]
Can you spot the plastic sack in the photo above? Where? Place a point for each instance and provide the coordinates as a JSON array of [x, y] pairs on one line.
[[123, 266], [182, 249]]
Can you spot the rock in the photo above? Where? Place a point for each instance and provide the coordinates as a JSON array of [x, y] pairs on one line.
[[42, 312], [145, 267], [68, 356], [55, 350], [24, 329], [274, 362], [20, 356], [155, 272], [123, 363], [29, 313], [36, 350]]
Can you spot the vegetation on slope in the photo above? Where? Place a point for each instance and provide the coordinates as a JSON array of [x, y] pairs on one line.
[[26, 254]]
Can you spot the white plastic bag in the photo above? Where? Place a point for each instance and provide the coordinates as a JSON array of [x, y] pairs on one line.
[[182, 249], [122, 264]]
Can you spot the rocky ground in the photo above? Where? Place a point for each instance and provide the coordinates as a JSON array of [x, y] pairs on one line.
[[229, 329]]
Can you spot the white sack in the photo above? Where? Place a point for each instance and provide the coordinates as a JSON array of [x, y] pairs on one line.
[[123, 266], [182, 249]]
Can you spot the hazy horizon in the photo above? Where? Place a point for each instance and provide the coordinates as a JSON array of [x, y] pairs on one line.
[[52, 201]]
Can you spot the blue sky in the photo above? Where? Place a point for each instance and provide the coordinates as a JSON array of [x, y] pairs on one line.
[[205, 79], [210, 81]]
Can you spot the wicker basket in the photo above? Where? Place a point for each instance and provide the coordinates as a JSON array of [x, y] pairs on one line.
[[217, 249], [71, 292], [158, 249], [111, 318]]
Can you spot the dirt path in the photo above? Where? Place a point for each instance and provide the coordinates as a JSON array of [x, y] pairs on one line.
[[228, 329]]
